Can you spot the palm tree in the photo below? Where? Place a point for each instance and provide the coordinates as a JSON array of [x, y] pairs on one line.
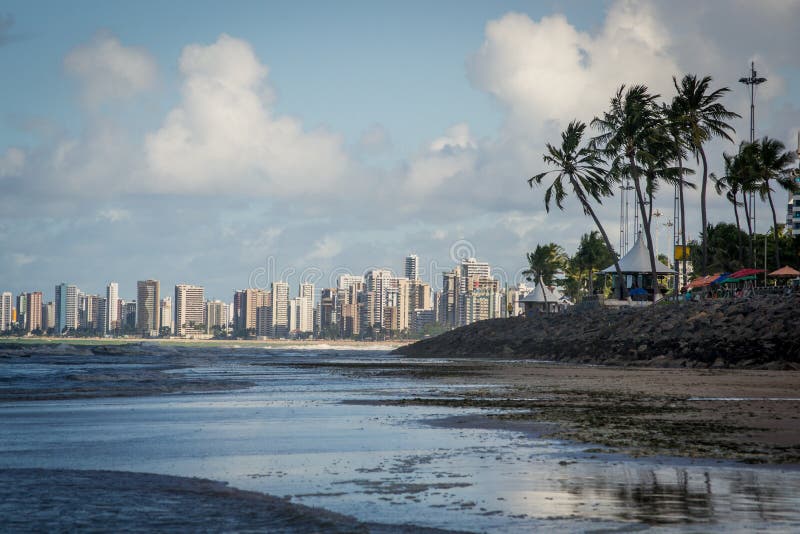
[[592, 254], [731, 186], [580, 168], [544, 262], [773, 165], [704, 118], [627, 127], [677, 132]]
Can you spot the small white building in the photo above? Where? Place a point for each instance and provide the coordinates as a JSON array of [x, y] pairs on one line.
[[635, 267], [543, 299]]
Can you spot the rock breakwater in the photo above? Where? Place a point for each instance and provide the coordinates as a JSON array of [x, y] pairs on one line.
[[762, 332]]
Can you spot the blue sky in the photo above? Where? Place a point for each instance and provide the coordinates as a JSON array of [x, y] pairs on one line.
[[344, 135]]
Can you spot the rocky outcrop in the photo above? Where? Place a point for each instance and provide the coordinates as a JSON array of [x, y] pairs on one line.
[[762, 332]]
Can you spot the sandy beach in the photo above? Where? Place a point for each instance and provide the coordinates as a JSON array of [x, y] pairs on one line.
[[743, 415]]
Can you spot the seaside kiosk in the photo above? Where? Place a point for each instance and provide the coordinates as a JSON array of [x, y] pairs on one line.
[[635, 267], [542, 299]]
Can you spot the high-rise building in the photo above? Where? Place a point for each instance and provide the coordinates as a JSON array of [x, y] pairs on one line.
[[127, 315], [102, 315], [66, 304], [48, 316], [89, 317], [190, 309], [280, 309], [33, 313], [793, 214], [377, 282], [22, 308], [249, 302], [148, 307], [412, 267], [306, 320], [6, 308], [216, 316], [112, 303], [472, 267], [238, 302], [166, 313], [448, 304]]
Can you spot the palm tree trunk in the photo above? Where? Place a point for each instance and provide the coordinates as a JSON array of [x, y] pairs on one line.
[[623, 288], [591, 281], [704, 215], [683, 218], [774, 230], [749, 229], [640, 197], [738, 226]]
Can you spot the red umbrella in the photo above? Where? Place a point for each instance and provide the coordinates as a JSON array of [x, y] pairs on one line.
[[745, 272]]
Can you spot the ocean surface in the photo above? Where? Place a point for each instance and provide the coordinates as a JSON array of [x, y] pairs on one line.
[[210, 439]]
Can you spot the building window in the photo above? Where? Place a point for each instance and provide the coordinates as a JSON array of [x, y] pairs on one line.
[[797, 202], [797, 215], [797, 226]]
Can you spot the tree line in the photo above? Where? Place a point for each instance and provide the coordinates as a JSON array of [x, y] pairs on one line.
[[646, 142]]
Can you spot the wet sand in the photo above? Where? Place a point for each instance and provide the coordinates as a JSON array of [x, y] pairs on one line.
[[751, 416]]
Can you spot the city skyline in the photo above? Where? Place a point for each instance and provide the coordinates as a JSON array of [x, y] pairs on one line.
[[378, 302], [349, 139]]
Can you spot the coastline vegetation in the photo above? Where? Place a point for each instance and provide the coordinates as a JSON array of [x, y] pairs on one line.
[[646, 143]]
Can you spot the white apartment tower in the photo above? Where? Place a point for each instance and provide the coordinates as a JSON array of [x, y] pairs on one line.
[[305, 321], [6, 305], [112, 305], [378, 282], [66, 307], [165, 310], [280, 309], [190, 308]]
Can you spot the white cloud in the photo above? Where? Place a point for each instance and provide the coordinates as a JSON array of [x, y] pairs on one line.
[[110, 71], [12, 162], [223, 136], [113, 215], [446, 157], [548, 70], [21, 259], [325, 248]]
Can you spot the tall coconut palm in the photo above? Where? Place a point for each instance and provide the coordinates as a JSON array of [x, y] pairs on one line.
[[579, 167], [627, 127], [704, 118], [773, 165], [731, 186], [678, 133]]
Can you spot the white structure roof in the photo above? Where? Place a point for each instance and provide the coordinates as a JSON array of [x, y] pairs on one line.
[[540, 291], [637, 260]]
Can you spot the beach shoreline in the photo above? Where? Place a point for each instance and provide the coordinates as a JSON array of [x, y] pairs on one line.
[[749, 416]]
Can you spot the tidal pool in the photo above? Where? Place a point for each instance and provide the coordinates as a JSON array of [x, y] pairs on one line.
[[288, 431]]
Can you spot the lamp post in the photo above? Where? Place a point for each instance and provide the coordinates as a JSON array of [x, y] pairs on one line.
[[752, 81]]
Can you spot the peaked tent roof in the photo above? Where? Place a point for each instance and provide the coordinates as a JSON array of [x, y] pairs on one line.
[[538, 294], [637, 260], [785, 271]]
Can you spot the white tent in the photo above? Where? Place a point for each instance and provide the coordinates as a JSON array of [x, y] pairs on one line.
[[637, 260], [543, 298]]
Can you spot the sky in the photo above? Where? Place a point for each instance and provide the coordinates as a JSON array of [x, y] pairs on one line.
[[230, 145]]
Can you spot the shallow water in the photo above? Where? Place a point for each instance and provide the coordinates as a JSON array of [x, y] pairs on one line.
[[292, 435]]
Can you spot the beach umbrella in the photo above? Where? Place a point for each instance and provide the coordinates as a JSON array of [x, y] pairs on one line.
[[721, 278], [740, 279], [785, 272], [745, 272], [637, 291]]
